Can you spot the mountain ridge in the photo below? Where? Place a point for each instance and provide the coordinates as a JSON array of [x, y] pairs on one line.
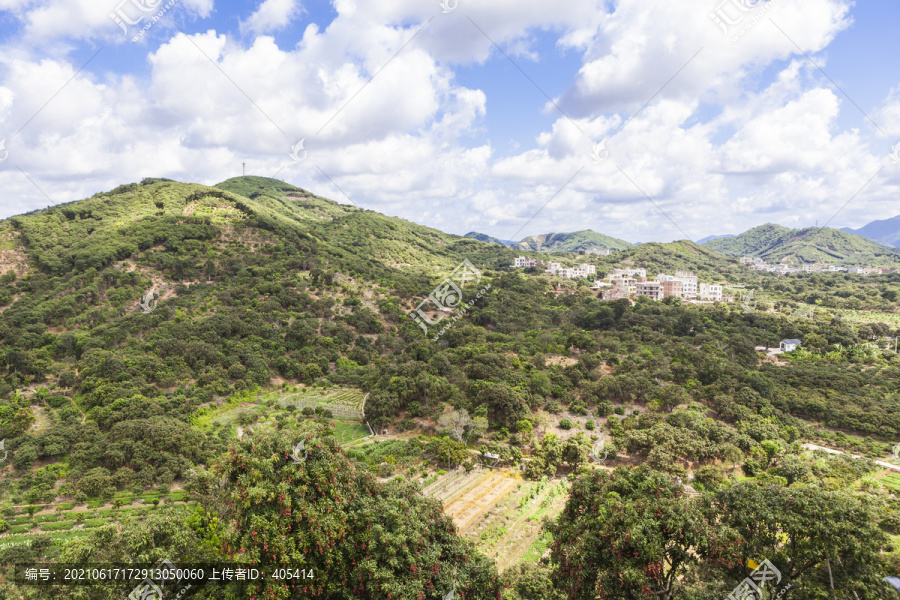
[[883, 231], [775, 243]]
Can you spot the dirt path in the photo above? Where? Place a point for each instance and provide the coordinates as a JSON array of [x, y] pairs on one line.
[[40, 419], [881, 463]]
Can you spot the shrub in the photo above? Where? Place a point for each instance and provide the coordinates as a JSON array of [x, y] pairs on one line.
[[552, 406], [59, 526], [589, 424], [565, 424], [619, 410], [308, 411], [577, 407]]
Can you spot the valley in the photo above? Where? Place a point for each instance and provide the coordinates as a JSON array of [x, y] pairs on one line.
[[233, 372]]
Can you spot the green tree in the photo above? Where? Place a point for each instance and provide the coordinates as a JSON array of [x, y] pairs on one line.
[[360, 538], [632, 534], [802, 530]]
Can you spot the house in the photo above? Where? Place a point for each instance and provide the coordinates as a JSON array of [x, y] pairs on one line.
[[690, 282], [651, 289], [599, 252], [523, 262], [708, 291], [672, 287], [789, 345], [553, 267]]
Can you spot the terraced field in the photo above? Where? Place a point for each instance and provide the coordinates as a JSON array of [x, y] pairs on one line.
[[72, 521], [500, 511], [341, 402]]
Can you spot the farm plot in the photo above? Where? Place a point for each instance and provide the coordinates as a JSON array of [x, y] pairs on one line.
[[346, 403], [500, 512]]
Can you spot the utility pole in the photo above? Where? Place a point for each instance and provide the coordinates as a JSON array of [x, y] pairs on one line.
[[245, 169]]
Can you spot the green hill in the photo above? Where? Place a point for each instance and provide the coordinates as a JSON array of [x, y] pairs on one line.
[[777, 244], [571, 242], [171, 345], [680, 255], [483, 237]]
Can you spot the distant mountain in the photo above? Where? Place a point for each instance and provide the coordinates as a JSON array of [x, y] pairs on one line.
[[710, 238], [571, 242], [483, 237], [885, 231], [775, 243]]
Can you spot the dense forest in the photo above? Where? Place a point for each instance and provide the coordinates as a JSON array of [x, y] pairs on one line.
[[152, 338]]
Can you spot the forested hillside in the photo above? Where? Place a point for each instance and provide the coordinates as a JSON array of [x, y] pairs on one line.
[[170, 345], [775, 244]]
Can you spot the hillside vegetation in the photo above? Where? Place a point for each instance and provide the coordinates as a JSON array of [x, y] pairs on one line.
[[173, 344], [571, 242], [776, 244]]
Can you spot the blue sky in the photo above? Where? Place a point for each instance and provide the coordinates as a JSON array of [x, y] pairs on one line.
[[451, 133]]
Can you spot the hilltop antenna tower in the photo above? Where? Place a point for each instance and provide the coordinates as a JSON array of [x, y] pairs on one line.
[[245, 169]]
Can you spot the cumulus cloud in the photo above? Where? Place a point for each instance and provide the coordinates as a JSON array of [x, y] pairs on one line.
[[272, 15], [718, 135]]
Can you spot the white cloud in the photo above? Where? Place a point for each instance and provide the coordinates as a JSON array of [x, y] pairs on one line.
[[272, 15], [52, 21], [716, 150]]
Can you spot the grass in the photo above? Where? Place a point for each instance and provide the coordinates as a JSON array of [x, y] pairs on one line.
[[346, 433], [891, 482], [537, 549]]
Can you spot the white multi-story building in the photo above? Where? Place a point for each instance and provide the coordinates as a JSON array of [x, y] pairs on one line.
[[709, 291], [523, 262], [583, 271], [690, 282], [553, 267]]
